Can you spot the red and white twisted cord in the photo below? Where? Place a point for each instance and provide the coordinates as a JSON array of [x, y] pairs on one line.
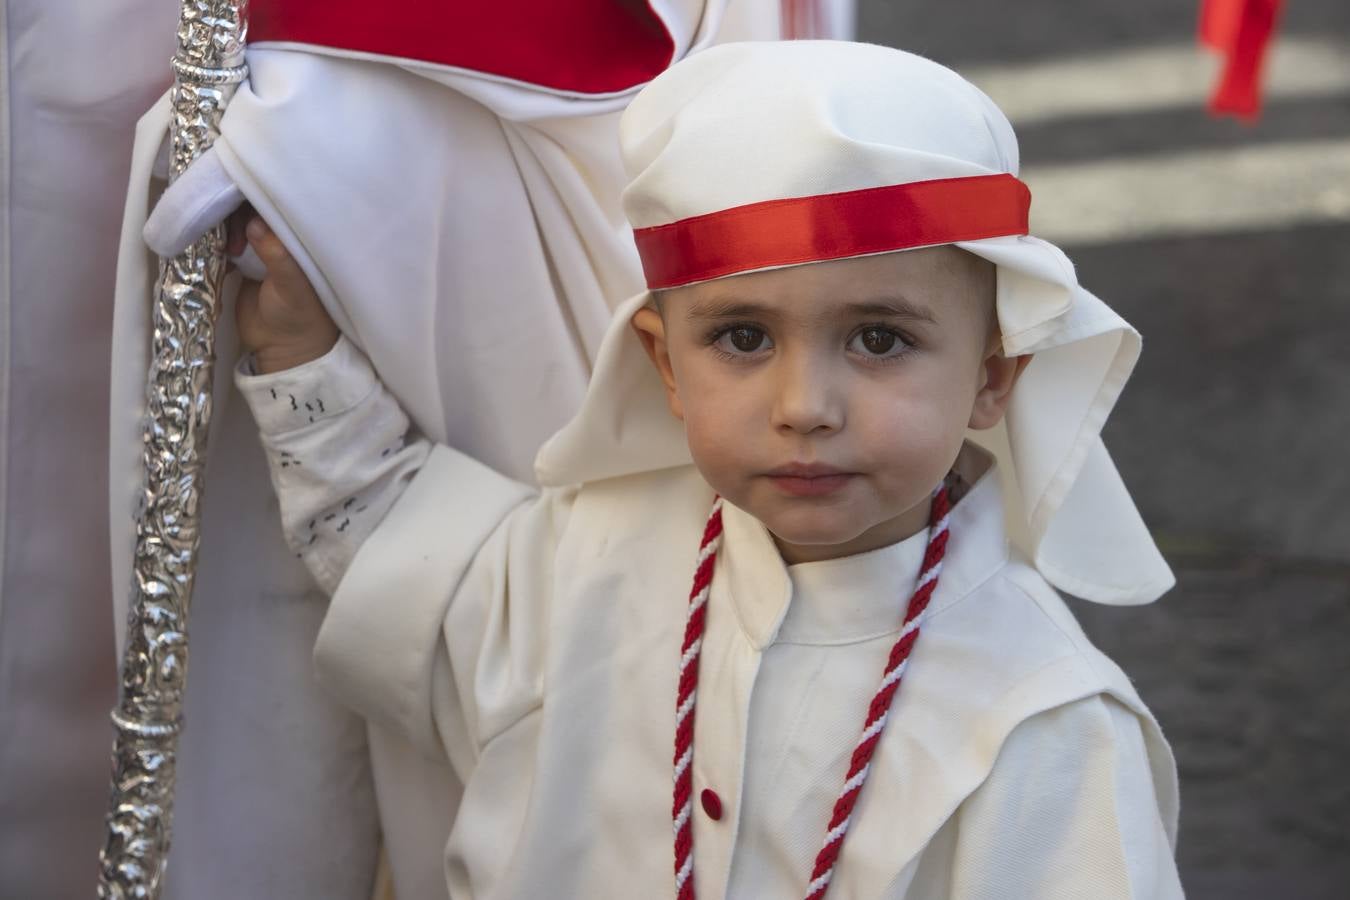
[[879, 709], [877, 712], [683, 807]]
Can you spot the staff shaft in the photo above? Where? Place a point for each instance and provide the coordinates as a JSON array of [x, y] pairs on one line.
[[208, 67]]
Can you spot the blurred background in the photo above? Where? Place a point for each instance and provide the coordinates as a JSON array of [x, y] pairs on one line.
[[1228, 246]]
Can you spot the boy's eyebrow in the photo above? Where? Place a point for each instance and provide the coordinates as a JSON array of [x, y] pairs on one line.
[[725, 308], [893, 308], [884, 307]]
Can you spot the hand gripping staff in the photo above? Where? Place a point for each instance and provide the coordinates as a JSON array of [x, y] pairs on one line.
[[208, 67]]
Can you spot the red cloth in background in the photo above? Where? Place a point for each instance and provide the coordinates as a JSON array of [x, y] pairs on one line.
[[1240, 30], [802, 19], [583, 46]]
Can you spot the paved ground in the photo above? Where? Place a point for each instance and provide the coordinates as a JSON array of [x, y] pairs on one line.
[[1232, 435]]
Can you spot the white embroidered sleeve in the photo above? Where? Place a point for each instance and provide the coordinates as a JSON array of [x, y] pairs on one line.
[[440, 569], [1069, 810], [339, 450], [439, 630]]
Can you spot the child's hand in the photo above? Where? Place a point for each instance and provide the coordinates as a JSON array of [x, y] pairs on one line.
[[281, 320]]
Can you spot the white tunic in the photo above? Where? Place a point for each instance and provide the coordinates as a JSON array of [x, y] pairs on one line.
[[532, 639]]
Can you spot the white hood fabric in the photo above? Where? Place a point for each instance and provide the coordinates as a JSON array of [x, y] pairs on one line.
[[753, 122]]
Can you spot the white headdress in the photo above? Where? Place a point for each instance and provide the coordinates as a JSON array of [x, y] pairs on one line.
[[762, 155]]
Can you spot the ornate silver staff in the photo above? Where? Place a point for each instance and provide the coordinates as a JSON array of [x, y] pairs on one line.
[[208, 67]]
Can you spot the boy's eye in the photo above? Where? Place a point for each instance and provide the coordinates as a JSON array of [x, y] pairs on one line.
[[742, 339], [877, 341]]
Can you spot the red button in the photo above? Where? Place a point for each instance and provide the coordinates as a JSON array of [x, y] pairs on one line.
[[712, 804]]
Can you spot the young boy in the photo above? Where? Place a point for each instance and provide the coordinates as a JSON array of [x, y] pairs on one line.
[[769, 558]]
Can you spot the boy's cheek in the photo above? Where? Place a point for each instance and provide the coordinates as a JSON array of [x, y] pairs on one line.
[[909, 441], [719, 448], [938, 403]]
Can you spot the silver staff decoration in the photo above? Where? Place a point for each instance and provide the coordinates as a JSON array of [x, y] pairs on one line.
[[208, 67]]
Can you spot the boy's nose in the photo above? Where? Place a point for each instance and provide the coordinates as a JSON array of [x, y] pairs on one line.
[[806, 400]]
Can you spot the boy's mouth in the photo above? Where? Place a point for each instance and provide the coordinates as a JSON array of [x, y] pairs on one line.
[[809, 480]]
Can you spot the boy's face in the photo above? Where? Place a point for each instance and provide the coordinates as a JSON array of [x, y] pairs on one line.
[[828, 400]]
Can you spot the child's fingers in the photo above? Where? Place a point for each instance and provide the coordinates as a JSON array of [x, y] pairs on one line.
[[246, 300], [273, 253], [235, 242], [246, 313], [264, 240]]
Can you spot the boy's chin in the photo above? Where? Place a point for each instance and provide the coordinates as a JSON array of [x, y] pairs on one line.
[[818, 531]]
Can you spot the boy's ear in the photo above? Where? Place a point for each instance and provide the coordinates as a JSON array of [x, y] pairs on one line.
[[1000, 376], [651, 330]]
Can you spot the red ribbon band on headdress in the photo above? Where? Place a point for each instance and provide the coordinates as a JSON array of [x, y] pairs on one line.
[[832, 226]]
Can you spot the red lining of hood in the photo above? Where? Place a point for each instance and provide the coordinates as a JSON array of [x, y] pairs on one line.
[[582, 46]]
